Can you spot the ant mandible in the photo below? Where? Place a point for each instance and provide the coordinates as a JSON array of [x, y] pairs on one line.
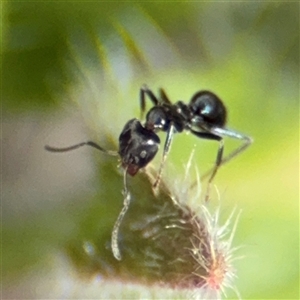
[[204, 116]]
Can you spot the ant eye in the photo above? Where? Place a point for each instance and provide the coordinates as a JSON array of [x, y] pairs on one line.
[[143, 154], [209, 107]]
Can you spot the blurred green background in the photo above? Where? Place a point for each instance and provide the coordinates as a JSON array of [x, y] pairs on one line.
[[72, 71]]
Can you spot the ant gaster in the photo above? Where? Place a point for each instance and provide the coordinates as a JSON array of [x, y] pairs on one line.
[[205, 117]]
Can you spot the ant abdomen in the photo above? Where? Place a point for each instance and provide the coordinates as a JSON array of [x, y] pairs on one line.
[[207, 108]]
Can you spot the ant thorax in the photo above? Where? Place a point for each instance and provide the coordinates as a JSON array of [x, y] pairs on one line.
[[160, 118]]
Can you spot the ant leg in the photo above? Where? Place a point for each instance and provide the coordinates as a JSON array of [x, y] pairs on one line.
[[232, 134], [143, 92], [213, 171], [218, 134], [73, 147], [115, 233], [163, 96], [146, 91], [167, 146]]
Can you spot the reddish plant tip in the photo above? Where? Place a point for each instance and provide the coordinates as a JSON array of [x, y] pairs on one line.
[[216, 274], [166, 243]]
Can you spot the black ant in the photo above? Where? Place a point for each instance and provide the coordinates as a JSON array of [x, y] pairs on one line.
[[204, 116]]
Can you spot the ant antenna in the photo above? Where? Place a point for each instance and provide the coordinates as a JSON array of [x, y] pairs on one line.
[[89, 143], [125, 192], [114, 237]]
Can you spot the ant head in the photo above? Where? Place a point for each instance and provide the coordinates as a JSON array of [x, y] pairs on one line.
[[208, 108], [137, 146]]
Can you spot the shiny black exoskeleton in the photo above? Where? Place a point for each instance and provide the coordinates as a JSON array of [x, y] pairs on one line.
[[204, 116], [137, 146]]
